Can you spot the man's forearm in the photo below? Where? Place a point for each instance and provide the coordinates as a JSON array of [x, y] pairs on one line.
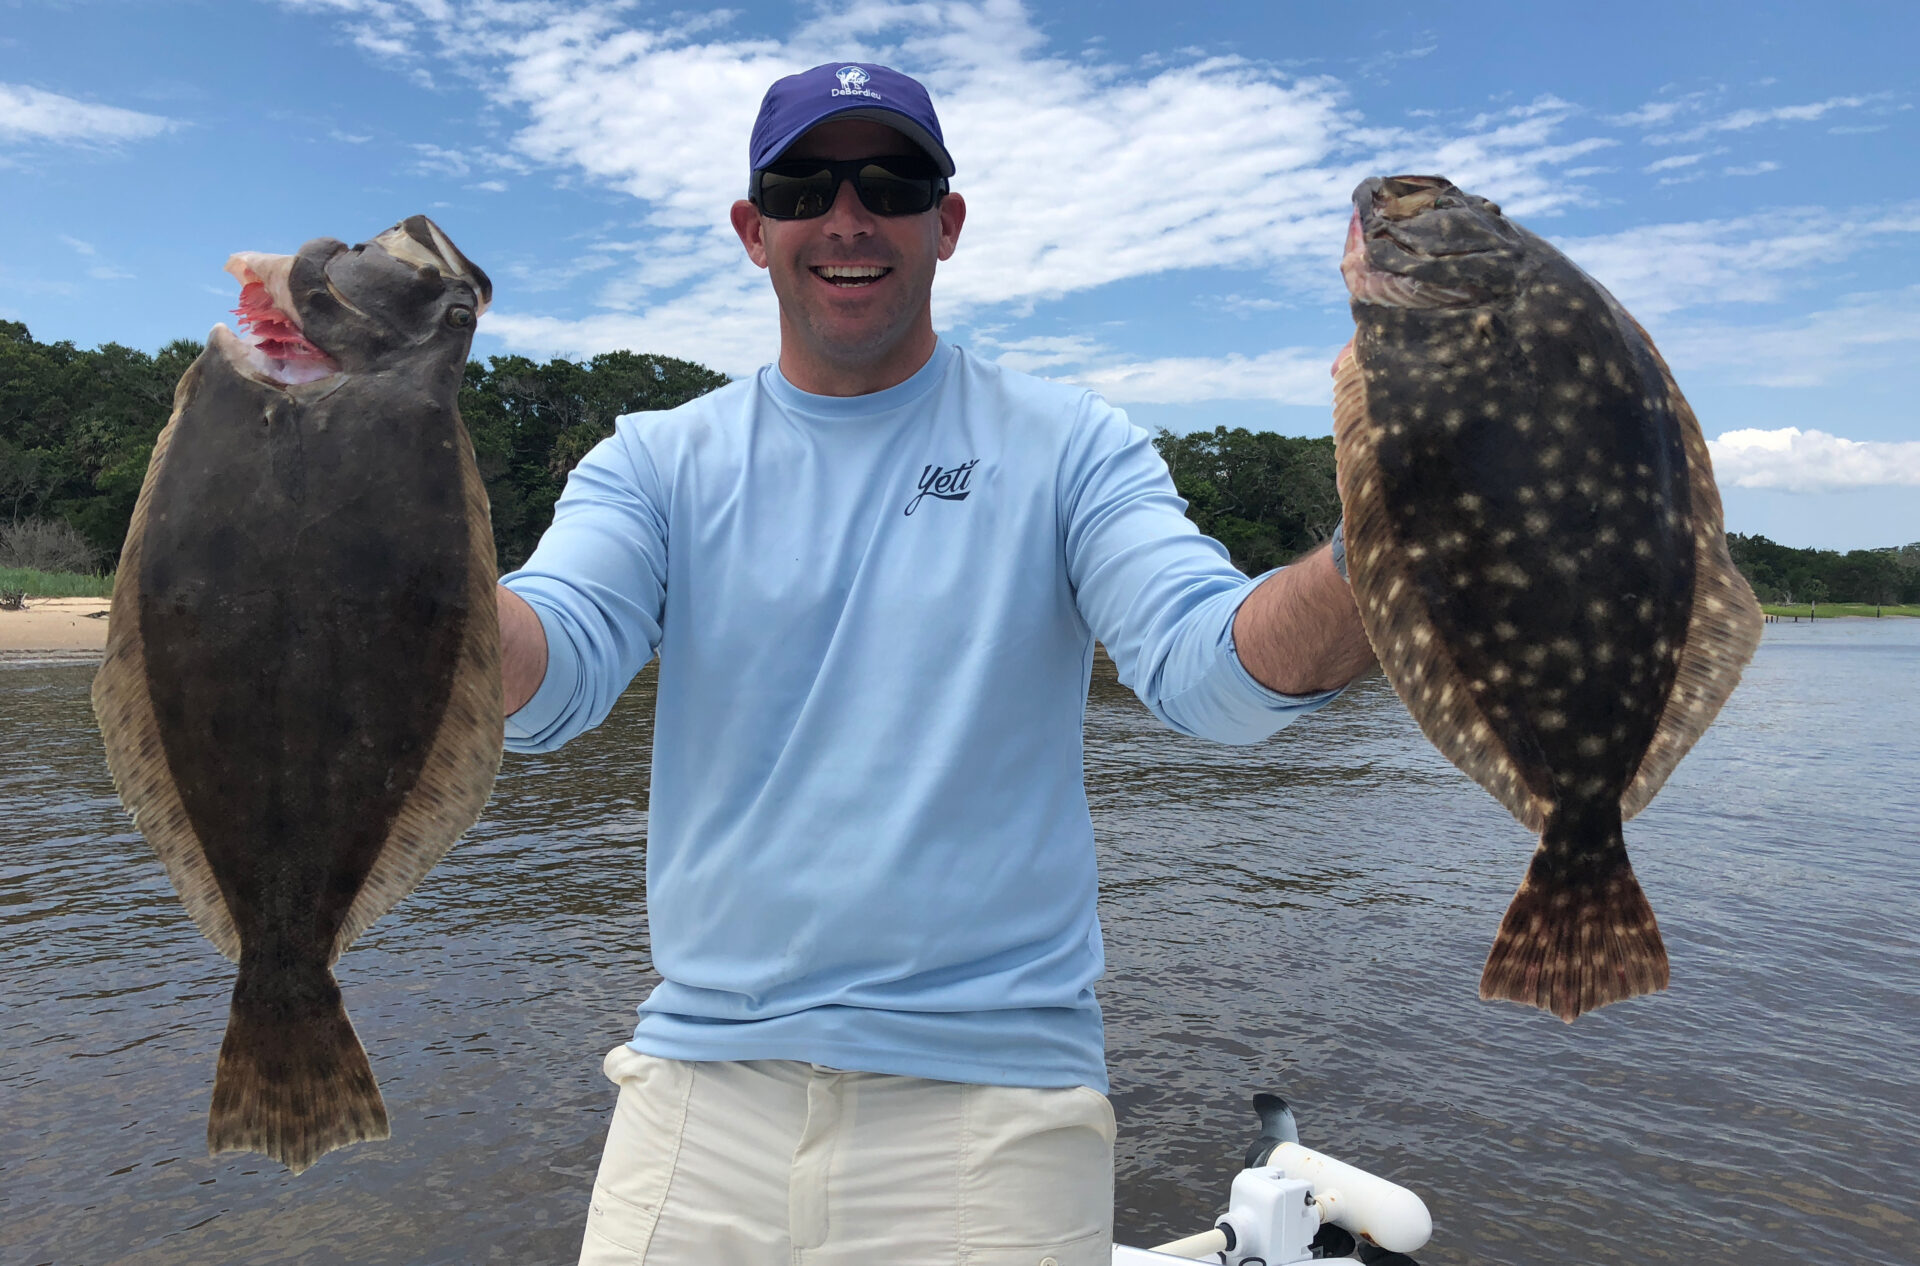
[[523, 649], [1299, 633]]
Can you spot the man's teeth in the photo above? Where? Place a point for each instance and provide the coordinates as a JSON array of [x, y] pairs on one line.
[[850, 273]]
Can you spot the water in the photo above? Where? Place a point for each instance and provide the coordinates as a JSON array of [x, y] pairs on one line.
[[1309, 916]]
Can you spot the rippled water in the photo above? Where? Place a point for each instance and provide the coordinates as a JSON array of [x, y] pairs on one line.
[[1309, 916]]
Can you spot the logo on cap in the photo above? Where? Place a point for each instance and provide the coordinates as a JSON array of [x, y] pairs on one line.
[[853, 83]]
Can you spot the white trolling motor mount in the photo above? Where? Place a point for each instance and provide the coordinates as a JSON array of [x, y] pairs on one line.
[[1293, 1204]]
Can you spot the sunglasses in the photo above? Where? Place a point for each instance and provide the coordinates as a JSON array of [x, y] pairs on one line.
[[803, 188]]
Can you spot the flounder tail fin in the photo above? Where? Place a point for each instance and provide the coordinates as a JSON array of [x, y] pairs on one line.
[[293, 1081], [1579, 933]]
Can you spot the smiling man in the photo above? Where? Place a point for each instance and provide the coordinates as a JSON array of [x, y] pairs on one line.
[[874, 574]]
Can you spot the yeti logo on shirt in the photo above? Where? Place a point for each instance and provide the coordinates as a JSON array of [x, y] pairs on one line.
[[946, 483]]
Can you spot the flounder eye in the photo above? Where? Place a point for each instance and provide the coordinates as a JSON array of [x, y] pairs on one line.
[[460, 318]]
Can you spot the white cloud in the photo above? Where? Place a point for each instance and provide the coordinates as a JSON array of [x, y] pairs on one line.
[[30, 114], [1659, 111], [1864, 336], [1079, 170], [1676, 160], [1654, 269], [1288, 375], [1752, 169], [1793, 460], [1742, 120], [100, 269]]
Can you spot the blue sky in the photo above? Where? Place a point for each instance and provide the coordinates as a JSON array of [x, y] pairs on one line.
[[1157, 192]]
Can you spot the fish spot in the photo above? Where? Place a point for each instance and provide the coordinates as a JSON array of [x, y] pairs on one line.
[[1643, 548], [1534, 656], [1591, 745], [1566, 648], [1587, 363], [1550, 456], [1499, 673], [1598, 609], [1607, 534], [1505, 630], [1536, 522], [1506, 573]]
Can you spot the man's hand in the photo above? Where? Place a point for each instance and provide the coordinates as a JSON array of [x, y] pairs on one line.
[[1299, 633], [523, 649]]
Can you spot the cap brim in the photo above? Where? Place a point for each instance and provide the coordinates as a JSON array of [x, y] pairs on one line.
[[904, 124]]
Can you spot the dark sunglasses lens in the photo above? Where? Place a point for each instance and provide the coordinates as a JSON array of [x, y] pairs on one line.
[[886, 192], [796, 194]]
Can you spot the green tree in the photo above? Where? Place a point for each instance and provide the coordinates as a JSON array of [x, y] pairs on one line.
[[1266, 497], [532, 423]]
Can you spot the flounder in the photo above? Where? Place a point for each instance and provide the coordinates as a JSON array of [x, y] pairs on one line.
[[301, 698], [1536, 546]]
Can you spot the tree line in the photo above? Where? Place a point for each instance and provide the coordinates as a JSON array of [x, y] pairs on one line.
[[77, 426]]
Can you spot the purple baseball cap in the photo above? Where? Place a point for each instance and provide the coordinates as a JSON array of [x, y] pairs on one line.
[[845, 90]]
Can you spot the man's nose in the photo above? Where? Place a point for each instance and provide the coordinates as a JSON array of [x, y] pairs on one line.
[[848, 216]]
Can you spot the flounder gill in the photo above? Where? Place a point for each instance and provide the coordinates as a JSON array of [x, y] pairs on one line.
[[1536, 546], [301, 694]]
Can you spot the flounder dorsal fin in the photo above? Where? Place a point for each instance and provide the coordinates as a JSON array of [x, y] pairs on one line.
[[131, 733]]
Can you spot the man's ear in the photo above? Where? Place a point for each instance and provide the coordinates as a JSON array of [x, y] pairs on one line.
[[746, 222], [953, 214]]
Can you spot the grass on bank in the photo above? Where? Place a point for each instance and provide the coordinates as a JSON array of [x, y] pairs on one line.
[[1833, 610], [55, 584]]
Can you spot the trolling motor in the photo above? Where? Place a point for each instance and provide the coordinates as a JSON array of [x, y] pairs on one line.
[[1293, 1204]]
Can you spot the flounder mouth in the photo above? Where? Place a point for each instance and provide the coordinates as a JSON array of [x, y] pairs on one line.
[[1368, 284], [275, 349]]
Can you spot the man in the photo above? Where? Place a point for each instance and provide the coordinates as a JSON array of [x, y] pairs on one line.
[[874, 574]]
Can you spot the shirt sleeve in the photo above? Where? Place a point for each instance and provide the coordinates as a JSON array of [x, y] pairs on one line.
[[1158, 595], [598, 582]]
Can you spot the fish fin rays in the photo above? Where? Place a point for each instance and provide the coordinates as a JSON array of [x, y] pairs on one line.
[[1722, 633], [459, 769], [1398, 624], [130, 732], [293, 1081], [1579, 933]]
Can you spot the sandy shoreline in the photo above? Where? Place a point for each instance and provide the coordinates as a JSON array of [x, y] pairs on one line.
[[63, 626], [75, 627]]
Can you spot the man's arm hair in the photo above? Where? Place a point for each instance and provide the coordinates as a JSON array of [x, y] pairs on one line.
[[1299, 633], [523, 650]]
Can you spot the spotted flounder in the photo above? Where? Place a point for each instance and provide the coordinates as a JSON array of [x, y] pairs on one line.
[[1536, 546], [301, 694]]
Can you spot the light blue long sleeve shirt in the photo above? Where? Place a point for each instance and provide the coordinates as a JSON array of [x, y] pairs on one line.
[[868, 843]]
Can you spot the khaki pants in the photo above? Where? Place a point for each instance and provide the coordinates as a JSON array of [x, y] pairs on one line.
[[778, 1163]]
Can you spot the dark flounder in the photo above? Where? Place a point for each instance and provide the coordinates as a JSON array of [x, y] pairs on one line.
[[301, 694], [1536, 546]]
